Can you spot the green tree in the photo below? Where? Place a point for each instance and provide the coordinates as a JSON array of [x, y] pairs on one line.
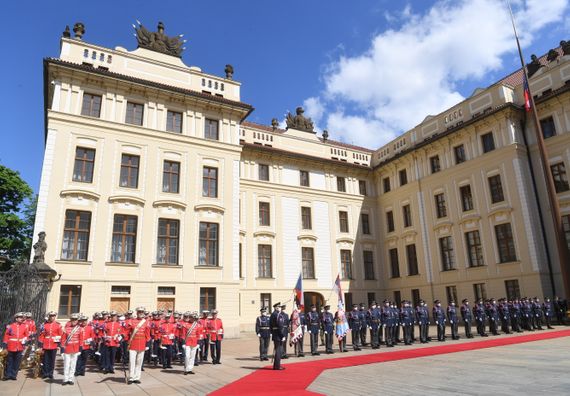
[[17, 211]]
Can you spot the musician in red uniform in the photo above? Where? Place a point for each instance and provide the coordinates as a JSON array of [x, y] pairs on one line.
[[205, 341], [87, 339], [49, 338], [139, 338], [216, 332], [15, 339], [71, 342], [113, 333], [191, 332], [167, 336], [31, 323], [154, 324]]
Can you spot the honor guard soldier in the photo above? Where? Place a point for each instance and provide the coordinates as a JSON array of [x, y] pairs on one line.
[[341, 328], [560, 310], [493, 314], [467, 317], [278, 335], [70, 348], [373, 320], [439, 319], [297, 321], [139, 339], [15, 339], [86, 341], [479, 314], [263, 331], [548, 310], [422, 317], [537, 314], [363, 324], [205, 341], [313, 326], [504, 316], [167, 333], [113, 333], [453, 322], [397, 324], [49, 339], [526, 309], [515, 313], [327, 326], [355, 324], [216, 331], [387, 323], [286, 322], [407, 321], [190, 332]]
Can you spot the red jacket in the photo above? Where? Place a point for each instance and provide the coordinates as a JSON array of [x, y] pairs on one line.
[[195, 335], [139, 339], [87, 336], [215, 329], [204, 323], [31, 326], [113, 333], [16, 336], [50, 335], [71, 339], [167, 332]]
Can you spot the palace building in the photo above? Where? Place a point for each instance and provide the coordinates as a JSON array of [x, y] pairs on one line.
[[157, 191]]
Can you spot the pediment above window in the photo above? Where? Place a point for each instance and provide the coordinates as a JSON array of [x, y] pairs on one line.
[[127, 199], [78, 193], [209, 207], [168, 203]]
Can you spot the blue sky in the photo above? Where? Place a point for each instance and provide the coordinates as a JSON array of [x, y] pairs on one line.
[[364, 70]]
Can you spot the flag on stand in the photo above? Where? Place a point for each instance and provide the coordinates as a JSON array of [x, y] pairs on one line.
[[299, 296], [526, 94], [296, 326], [338, 290]]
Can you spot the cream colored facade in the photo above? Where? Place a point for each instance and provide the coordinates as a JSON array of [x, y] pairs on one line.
[[245, 153]]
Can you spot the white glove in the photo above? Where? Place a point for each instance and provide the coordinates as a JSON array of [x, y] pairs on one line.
[[147, 348], [259, 335], [310, 332], [451, 321], [57, 339], [89, 340], [283, 339], [326, 332]]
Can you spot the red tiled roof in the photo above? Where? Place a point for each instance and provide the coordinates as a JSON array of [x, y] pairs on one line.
[[329, 141]]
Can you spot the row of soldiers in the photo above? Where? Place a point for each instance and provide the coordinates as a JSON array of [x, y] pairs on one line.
[[160, 336], [391, 325]]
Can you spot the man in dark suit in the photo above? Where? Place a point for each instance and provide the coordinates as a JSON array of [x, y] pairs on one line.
[[278, 335]]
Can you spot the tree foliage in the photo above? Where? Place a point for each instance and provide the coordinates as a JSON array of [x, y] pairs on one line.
[[17, 212]]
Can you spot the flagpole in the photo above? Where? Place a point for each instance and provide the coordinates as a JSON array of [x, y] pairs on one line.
[[561, 244]]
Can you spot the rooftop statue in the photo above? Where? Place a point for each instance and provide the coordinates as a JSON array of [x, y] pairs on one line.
[[565, 47], [552, 55], [533, 66], [158, 41], [299, 121]]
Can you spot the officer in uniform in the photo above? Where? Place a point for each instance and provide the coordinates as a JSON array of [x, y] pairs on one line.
[[387, 323], [439, 319], [422, 317], [263, 331], [504, 316], [363, 324], [278, 334], [548, 309], [354, 324], [327, 325], [313, 326], [466, 317], [286, 322], [49, 339], [407, 321], [453, 322], [373, 320], [15, 339], [479, 314]]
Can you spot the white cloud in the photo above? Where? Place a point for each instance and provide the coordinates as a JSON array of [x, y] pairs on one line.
[[314, 109], [410, 72]]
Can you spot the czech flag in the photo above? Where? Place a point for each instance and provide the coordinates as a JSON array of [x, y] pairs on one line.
[[526, 95], [298, 293]]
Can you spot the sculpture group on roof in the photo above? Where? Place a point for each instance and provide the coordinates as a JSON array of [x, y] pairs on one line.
[[158, 41]]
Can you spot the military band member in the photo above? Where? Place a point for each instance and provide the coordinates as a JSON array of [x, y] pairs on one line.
[[313, 327], [327, 326], [363, 324], [49, 339], [216, 332], [263, 331], [286, 321], [548, 310], [190, 332], [167, 338], [453, 322], [139, 339], [113, 334], [422, 317], [205, 340], [439, 319], [467, 317], [70, 346], [504, 316], [373, 320], [479, 314], [15, 338], [278, 335], [30, 322], [87, 340], [354, 324]]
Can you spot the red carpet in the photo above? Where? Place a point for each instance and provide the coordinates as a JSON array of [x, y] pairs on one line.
[[298, 376]]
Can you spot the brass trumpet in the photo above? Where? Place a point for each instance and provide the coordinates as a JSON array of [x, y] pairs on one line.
[[3, 358]]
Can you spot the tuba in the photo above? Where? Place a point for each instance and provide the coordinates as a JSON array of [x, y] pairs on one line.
[[3, 359], [37, 362], [26, 356]]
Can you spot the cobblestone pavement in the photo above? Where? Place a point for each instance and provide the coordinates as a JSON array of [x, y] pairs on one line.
[[540, 366]]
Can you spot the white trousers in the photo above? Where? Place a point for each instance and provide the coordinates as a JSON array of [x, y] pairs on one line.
[[69, 363], [189, 356], [136, 359]]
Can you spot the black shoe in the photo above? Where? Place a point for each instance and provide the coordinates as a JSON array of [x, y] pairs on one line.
[[280, 368], [70, 382], [169, 366], [301, 355], [137, 381], [284, 357], [130, 382], [191, 372], [111, 371]]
